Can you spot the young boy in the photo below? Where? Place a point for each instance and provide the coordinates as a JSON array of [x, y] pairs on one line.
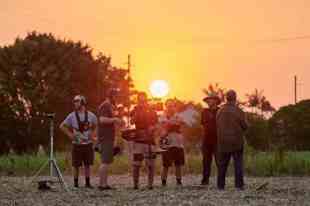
[[172, 142]]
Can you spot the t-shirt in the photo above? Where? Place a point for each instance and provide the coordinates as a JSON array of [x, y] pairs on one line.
[[172, 125], [72, 122], [208, 120], [106, 130], [144, 117]]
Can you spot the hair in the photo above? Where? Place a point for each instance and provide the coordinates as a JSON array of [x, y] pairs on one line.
[[231, 96]]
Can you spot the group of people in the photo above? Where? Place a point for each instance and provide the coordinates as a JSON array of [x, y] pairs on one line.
[[223, 138]]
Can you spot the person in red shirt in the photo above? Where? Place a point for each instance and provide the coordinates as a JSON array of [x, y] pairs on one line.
[[209, 142], [145, 119]]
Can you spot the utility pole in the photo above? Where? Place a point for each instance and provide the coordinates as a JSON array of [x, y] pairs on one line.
[[128, 79], [129, 64], [295, 88]]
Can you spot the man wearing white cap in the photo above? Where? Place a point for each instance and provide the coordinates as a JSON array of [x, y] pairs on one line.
[[80, 126]]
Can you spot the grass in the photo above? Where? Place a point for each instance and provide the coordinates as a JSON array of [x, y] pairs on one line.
[[256, 164]]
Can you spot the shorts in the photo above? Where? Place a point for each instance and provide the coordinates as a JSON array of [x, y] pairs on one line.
[[82, 154], [143, 152], [107, 151], [174, 155]]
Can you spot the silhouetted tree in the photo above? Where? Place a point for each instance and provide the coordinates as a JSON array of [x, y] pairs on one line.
[[41, 74]]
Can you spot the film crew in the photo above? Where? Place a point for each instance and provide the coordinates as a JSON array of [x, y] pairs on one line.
[[106, 136], [143, 148], [80, 126], [231, 125], [172, 142], [209, 141]]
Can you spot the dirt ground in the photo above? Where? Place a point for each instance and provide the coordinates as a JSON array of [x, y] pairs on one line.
[[277, 191]]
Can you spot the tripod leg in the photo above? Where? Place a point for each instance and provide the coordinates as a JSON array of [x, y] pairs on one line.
[[59, 175], [39, 171]]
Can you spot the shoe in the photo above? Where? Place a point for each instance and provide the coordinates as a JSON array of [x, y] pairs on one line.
[[164, 183], [240, 188], [89, 187], [136, 187], [150, 187], [204, 182], [101, 188]]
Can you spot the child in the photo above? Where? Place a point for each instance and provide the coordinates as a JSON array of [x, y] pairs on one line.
[[172, 142]]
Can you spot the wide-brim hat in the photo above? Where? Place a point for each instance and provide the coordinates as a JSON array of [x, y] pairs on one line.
[[214, 97]]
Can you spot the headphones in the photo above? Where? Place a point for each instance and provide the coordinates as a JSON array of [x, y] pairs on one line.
[[81, 99]]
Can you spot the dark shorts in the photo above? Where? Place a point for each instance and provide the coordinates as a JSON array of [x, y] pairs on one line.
[[173, 155], [107, 151], [82, 155]]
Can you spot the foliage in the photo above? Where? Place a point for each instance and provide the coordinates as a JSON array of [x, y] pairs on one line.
[[40, 74], [290, 126]]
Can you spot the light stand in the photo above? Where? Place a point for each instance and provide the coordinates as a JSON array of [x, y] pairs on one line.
[[52, 161]]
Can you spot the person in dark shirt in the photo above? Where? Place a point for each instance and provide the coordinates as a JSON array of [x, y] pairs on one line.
[[209, 142], [106, 137], [144, 118], [231, 127]]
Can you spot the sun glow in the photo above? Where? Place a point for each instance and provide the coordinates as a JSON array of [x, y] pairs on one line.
[[159, 88]]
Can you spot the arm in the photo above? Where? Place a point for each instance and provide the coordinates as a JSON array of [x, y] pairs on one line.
[[94, 133], [105, 115], [66, 130], [108, 120], [243, 122], [203, 121]]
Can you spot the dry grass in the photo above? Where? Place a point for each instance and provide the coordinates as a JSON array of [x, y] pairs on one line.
[[280, 191]]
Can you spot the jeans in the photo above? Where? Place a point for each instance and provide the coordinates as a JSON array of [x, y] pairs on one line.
[[224, 158], [208, 152]]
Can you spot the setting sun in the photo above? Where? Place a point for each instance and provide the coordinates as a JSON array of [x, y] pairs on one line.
[[159, 88]]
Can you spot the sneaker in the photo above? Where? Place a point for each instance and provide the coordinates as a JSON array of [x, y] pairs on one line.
[[164, 183], [204, 182], [240, 188]]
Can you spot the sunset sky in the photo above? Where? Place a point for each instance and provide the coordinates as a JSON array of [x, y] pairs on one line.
[[187, 43]]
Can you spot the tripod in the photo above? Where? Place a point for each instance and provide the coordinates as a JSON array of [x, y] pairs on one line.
[[52, 161]]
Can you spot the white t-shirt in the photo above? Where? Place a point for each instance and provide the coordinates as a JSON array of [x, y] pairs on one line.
[[173, 139]]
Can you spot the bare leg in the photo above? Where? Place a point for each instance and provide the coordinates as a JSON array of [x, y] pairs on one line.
[[136, 175], [103, 175], [76, 176], [87, 175], [164, 175], [178, 174], [151, 171]]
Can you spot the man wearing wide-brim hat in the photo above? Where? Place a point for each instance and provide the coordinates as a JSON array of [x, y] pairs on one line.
[[209, 141]]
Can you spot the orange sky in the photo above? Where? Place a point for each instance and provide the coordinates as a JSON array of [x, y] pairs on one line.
[[187, 43]]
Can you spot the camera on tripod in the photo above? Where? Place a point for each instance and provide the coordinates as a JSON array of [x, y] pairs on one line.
[[49, 115]]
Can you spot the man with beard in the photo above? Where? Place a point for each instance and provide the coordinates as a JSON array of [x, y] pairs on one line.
[[209, 142], [80, 126], [106, 136], [144, 118]]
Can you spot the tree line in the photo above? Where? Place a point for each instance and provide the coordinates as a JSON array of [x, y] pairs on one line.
[[40, 74]]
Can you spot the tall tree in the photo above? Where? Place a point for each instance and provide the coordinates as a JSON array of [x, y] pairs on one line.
[[40, 74]]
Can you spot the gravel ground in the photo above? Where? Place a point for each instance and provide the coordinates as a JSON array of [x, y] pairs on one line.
[[279, 191]]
